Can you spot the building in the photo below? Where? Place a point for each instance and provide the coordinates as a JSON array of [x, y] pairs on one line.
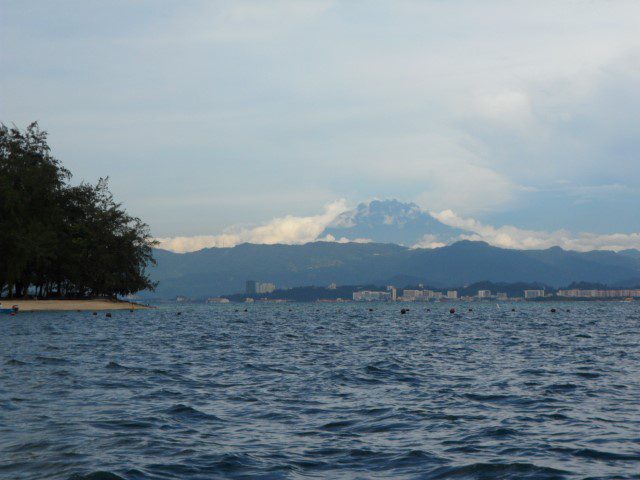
[[452, 294], [371, 296], [501, 296], [250, 287], [420, 295], [414, 295], [622, 293], [394, 292], [333, 286], [217, 300], [484, 293], [265, 287], [530, 294]]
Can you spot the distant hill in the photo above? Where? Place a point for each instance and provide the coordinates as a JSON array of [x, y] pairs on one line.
[[217, 271], [390, 221], [632, 252]]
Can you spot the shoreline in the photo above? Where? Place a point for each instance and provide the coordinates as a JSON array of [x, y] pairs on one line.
[[71, 305]]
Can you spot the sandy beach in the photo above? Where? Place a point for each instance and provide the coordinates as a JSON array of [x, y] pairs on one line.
[[70, 305]]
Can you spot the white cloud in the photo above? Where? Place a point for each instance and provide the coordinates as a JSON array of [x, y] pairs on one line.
[[429, 241], [331, 238], [512, 237], [286, 230], [506, 106]]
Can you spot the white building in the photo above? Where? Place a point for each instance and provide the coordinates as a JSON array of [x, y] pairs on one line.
[[394, 292], [452, 294], [622, 293], [370, 296], [529, 294], [217, 300], [265, 287], [484, 293]]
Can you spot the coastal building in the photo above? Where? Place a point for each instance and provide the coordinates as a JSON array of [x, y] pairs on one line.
[[217, 300], [531, 294], [420, 295], [250, 287], [452, 294], [265, 287], [414, 295], [501, 296], [370, 296], [484, 294], [619, 293], [393, 291]]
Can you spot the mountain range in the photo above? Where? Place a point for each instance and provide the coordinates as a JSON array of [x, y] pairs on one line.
[[217, 271]]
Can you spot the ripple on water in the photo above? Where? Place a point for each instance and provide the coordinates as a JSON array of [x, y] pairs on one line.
[[327, 391]]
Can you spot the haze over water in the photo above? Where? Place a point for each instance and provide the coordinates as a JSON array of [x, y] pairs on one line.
[[331, 391]]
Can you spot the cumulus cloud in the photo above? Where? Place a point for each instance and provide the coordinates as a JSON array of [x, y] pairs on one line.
[[512, 237], [287, 230]]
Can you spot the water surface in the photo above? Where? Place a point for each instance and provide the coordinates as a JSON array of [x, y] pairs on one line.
[[323, 391]]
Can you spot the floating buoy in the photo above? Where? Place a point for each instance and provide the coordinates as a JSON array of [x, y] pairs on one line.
[[179, 313], [403, 311], [513, 309], [108, 315], [371, 309], [246, 310], [452, 310], [568, 310], [471, 309], [95, 313], [428, 309], [553, 310]]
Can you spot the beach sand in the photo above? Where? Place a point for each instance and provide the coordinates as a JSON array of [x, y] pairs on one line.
[[71, 305]]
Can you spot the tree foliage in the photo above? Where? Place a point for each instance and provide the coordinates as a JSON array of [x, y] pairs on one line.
[[57, 239]]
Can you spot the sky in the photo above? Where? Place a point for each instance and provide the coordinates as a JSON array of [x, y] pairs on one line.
[[262, 119]]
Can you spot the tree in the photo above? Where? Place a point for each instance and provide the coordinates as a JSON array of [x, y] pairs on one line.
[[62, 240]]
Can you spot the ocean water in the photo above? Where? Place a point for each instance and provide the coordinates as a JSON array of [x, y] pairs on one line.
[[323, 391]]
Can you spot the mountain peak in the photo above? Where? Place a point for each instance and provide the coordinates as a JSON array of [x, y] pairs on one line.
[[390, 221]]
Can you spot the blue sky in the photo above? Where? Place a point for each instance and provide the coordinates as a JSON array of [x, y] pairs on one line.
[[208, 114]]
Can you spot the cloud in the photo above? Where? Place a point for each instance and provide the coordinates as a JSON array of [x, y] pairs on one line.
[[479, 107], [512, 237], [287, 230]]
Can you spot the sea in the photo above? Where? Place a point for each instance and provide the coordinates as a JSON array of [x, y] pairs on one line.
[[339, 391]]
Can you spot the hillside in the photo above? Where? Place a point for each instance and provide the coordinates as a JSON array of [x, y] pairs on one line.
[[217, 271]]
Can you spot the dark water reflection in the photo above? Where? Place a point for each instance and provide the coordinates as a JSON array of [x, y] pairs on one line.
[[323, 391]]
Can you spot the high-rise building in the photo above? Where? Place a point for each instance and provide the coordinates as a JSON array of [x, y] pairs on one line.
[[265, 287], [394, 292]]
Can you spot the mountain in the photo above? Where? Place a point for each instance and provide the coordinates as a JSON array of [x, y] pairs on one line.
[[390, 221], [632, 252], [216, 271]]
